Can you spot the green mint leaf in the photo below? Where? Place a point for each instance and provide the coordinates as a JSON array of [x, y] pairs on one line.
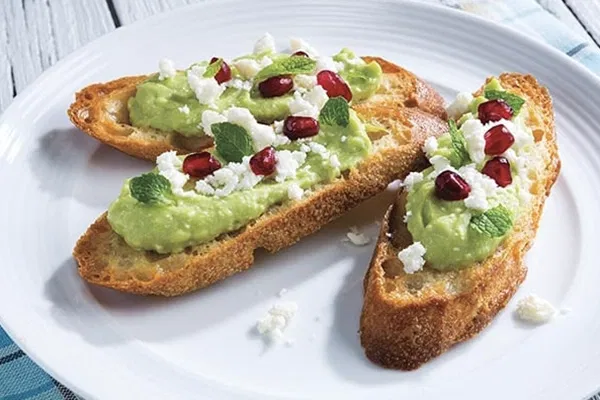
[[292, 65], [232, 141], [335, 112], [150, 188], [495, 222], [213, 68], [459, 145], [515, 102]]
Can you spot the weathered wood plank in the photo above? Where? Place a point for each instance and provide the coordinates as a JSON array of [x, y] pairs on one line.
[[131, 11], [588, 13], [34, 34], [560, 10]]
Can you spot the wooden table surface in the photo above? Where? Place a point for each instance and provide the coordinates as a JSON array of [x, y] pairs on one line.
[[34, 34]]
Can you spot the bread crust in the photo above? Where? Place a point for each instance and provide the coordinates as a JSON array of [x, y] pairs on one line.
[[105, 259], [409, 319], [100, 110]]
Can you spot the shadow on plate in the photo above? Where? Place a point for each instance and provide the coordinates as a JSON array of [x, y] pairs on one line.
[[67, 161], [157, 319]]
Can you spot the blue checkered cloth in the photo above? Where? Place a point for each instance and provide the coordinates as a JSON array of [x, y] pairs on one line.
[[21, 379]]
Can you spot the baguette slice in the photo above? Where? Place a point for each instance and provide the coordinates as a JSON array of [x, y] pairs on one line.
[[100, 110], [105, 259], [409, 319]]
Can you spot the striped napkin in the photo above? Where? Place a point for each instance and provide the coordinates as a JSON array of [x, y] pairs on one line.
[[21, 379]]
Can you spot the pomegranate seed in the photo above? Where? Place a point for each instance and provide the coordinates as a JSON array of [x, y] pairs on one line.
[[498, 140], [300, 127], [199, 165], [224, 73], [451, 186], [301, 54], [494, 110], [498, 168], [276, 86], [263, 162], [334, 85]]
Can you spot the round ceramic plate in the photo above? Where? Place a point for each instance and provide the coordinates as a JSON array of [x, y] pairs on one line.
[[108, 345]]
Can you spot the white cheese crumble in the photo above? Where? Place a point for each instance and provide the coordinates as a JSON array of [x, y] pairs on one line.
[[204, 188], [335, 161], [356, 237], [305, 82], [295, 192], [439, 164], [308, 104], [169, 166], [232, 177], [343, 139], [274, 323], [210, 117], [412, 179], [247, 68], [184, 109], [430, 146], [166, 69], [288, 163], [460, 105], [262, 135], [407, 216], [522, 134], [534, 309], [265, 44], [327, 63], [319, 149], [482, 187], [278, 127], [238, 84], [207, 90], [297, 44], [474, 132], [412, 257]]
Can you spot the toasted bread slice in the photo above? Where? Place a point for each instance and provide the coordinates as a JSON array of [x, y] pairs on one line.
[[100, 110], [105, 259], [410, 319]]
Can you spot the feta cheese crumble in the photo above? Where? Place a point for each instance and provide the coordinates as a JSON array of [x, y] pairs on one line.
[[460, 105], [266, 44], [238, 84], [356, 237], [482, 187], [273, 324], [412, 257], [247, 68], [430, 146], [305, 82], [297, 44], [407, 216], [166, 69], [412, 179], [473, 132], [288, 163], [210, 117], [184, 109], [169, 166], [335, 161], [327, 63], [534, 309], [295, 192], [308, 104], [207, 90]]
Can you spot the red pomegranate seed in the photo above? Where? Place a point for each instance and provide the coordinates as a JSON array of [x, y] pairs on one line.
[[224, 73], [498, 140], [199, 165], [334, 85], [494, 110], [451, 186], [263, 162], [301, 53], [498, 168], [300, 127], [276, 86]]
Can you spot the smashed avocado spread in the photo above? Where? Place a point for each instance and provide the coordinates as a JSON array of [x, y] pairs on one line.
[[462, 207], [310, 139], [177, 101]]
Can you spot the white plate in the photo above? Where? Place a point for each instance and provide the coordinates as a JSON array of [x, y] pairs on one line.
[[103, 344]]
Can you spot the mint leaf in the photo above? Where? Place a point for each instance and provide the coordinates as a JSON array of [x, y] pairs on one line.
[[150, 188], [292, 65], [335, 112], [495, 222], [232, 141], [459, 145], [515, 102], [213, 68]]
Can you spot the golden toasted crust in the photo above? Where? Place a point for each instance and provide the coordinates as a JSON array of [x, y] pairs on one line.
[[410, 319], [100, 110], [105, 259]]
